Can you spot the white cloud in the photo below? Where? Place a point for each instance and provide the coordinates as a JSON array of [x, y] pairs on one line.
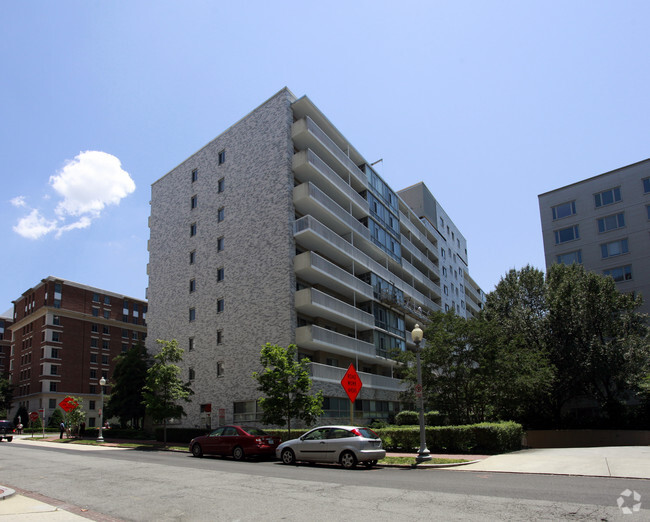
[[34, 226], [85, 186], [18, 201]]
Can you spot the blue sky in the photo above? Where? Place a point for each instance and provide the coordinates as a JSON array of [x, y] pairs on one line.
[[488, 103]]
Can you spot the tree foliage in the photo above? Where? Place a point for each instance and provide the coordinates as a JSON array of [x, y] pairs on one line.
[[6, 396], [163, 386], [76, 416], [286, 384], [128, 381]]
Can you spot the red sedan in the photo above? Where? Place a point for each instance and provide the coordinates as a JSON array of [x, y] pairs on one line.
[[238, 441]]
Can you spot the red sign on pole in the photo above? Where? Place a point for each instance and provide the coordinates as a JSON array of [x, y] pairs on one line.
[[351, 383], [33, 416], [68, 404]]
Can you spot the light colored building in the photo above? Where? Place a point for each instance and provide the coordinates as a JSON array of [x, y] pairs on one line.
[[603, 222], [65, 337], [280, 231]]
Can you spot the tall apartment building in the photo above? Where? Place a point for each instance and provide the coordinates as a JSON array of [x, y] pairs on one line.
[[65, 338], [5, 342], [280, 231], [603, 222]]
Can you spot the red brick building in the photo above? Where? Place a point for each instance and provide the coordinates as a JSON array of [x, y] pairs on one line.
[[64, 339], [5, 342]]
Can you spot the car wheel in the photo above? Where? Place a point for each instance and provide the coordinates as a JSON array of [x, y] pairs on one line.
[[197, 451], [348, 460], [287, 456], [238, 453], [9, 439]]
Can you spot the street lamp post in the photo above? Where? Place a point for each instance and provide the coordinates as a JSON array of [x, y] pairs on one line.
[[423, 454], [102, 383]]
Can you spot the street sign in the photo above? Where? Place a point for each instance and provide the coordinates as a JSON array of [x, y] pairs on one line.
[[418, 390], [68, 404], [33, 416], [351, 383]]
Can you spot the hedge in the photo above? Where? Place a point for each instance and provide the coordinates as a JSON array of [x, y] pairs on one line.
[[412, 418], [472, 438]]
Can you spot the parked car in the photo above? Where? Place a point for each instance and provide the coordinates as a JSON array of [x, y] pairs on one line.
[[346, 445], [7, 430], [238, 441]]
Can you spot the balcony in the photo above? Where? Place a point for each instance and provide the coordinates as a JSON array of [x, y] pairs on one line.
[[307, 166], [320, 339], [315, 303], [312, 234], [415, 232], [323, 372], [418, 254], [309, 199], [316, 270], [307, 135]]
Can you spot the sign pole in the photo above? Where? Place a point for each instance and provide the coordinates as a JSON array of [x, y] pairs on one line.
[[352, 384], [351, 413]]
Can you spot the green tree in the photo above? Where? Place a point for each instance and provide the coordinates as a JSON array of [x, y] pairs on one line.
[[128, 381], [164, 388], [6, 397], [56, 419], [597, 340], [22, 415], [286, 384], [76, 416]]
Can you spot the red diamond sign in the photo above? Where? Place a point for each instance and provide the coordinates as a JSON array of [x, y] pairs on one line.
[[68, 404], [351, 383]]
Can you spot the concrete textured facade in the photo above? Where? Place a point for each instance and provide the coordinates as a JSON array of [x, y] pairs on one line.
[[279, 231], [64, 338], [603, 222]]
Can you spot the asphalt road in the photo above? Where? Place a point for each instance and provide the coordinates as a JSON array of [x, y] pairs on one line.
[[150, 485]]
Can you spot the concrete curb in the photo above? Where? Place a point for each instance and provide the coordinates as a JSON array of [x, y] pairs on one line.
[[428, 466], [6, 492]]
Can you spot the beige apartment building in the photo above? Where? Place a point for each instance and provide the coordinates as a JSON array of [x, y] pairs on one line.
[[603, 222]]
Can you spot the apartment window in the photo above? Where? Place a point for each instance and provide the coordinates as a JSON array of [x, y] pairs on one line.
[[193, 201], [107, 314], [92, 389], [54, 370], [220, 244], [106, 330], [614, 248], [190, 344], [221, 185], [192, 285], [646, 185], [192, 374], [220, 305], [220, 214], [192, 257], [219, 368], [570, 258], [222, 156], [107, 300], [444, 270], [105, 376], [620, 273], [93, 373], [446, 290], [611, 222], [95, 312], [94, 328], [125, 333], [53, 386], [55, 353], [93, 357], [192, 229], [220, 275], [564, 210], [91, 405], [125, 347], [219, 336], [647, 208], [56, 337], [134, 336], [195, 175], [567, 234], [192, 314], [51, 403], [607, 197], [105, 359], [95, 298], [105, 345]]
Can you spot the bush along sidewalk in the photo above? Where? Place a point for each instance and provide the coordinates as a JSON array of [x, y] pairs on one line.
[[486, 437]]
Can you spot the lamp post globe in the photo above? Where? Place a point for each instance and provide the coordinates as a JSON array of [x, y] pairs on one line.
[[102, 383], [423, 454]]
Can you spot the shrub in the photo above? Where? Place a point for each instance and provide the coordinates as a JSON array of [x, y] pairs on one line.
[[407, 418], [434, 418], [182, 435]]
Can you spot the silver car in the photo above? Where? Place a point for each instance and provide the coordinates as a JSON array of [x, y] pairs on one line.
[[346, 445]]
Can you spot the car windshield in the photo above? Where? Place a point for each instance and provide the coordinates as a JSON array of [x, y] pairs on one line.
[[254, 431], [368, 433]]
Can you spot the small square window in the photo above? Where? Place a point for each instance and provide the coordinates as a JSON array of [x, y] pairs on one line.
[[192, 374], [220, 214], [95, 312], [220, 244], [195, 175], [222, 156], [192, 229], [106, 330], [53, 386], [105, 345], [193, 201], [221, 185], [192, 314], [93, 357], [94, 328], [192, 285], [190, 344], [107, 314], [92, 389], [91, 405], [94, 343], [95, 298], [220, 275], [125, 347], [52, 403], [219, 336], [646, 185], [192, 257], [105, 359], [220, 305]]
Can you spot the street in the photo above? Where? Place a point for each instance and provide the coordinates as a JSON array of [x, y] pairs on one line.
[[153, 485]]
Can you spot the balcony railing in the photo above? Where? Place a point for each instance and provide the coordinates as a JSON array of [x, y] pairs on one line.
[[318, 304], [415, 252], [317, 338], [323, 372]]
